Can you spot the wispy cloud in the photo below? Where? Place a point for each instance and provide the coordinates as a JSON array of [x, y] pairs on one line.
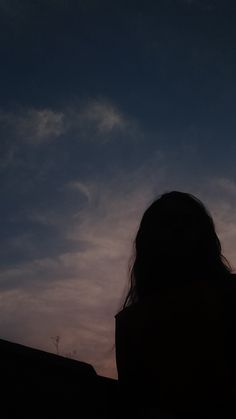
[[95, 120], [34, 126], [226, 185], [104, 116], [81, 187], [100, 121]]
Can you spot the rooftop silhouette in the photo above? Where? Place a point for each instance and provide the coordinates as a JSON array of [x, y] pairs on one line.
[[38, 384]]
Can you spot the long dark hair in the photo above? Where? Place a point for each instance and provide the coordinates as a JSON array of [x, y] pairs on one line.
[[176, 241]]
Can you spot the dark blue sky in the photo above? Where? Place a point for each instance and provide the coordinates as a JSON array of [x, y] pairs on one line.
[[103, 106]]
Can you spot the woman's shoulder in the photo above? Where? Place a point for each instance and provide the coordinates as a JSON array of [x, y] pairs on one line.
[[136, 312], [139, 313], [127, 311], [185, 296], [231, 281]]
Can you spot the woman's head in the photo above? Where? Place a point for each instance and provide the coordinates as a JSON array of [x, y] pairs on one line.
[[176, 240]]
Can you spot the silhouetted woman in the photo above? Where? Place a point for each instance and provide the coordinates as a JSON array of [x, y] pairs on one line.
[[175, 335]]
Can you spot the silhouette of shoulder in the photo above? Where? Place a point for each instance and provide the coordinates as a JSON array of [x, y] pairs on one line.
[[179, 342]]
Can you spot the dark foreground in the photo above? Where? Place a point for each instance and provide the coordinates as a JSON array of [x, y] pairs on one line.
[[37, 384]]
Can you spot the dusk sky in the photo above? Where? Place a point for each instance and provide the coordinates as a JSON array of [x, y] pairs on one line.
[[104, 105]]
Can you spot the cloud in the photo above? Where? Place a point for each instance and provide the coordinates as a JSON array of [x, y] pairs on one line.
[[24, 131], [80, 187], [34, 126], [226, 185], [101, 226], [98, 120], [104, 116], [41, 125]]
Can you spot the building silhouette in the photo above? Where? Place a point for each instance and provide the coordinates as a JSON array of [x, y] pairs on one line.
[[38, 384]]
